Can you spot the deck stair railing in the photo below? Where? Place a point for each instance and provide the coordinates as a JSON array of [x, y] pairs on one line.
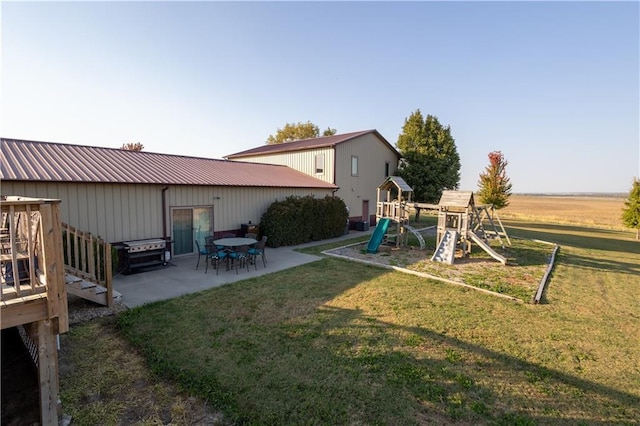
[[88, 259]]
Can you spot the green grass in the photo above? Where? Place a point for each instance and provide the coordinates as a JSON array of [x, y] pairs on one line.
[[336, 342]]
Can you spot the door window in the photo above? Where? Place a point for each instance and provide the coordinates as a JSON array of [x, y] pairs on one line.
[[190, 224]]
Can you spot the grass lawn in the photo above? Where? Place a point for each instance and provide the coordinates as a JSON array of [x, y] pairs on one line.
[[337, 342]]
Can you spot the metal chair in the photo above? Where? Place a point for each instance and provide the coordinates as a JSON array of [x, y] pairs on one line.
[[201, 252], [240, 256], [215, 256], [209, 240], [258, 250]]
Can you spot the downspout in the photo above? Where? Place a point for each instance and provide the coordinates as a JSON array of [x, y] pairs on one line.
[[334, 167], [164, 213]]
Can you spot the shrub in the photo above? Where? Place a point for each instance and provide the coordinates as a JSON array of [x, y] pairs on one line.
[[298, 220]]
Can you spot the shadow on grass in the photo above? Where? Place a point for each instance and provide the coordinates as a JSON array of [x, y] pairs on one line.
[[595, 264], [445, 372], [575, 236], [274, 352]]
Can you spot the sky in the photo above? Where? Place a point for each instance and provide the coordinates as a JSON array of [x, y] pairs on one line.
[[554, 86]]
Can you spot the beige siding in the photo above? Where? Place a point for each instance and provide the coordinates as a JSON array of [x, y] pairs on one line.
[[115, 212], [302, 161], [122, 212], [372, 155]]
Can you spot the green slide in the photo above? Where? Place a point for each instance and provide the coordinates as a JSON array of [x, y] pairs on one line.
[[378, 235]]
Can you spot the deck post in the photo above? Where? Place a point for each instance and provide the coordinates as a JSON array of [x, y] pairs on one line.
[[48, 371]]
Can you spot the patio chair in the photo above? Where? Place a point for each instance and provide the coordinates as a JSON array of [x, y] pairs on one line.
[[201, 252], [215, 256], [240, 256], [258, 250], [209, 240]]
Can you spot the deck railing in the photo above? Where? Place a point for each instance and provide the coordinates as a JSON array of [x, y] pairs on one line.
[[88, 257], [31, 266], [33, 290]]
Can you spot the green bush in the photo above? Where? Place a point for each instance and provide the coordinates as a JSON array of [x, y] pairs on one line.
[[298, 220]]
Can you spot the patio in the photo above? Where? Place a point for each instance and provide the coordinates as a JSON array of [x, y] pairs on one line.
[[180, 276]]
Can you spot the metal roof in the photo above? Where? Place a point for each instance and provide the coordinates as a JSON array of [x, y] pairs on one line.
[[304, 144], [396, 181], [56, 162]]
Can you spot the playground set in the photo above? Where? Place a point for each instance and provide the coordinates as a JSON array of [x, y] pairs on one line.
[[393, 206], [460, 222]]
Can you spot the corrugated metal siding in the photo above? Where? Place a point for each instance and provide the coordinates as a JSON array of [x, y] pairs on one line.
[[115, 212], [302, 161], [372, 151], [54, 162], [122, 212], [372, 155]]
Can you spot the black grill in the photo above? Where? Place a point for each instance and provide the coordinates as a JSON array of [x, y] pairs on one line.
[[144, 253]]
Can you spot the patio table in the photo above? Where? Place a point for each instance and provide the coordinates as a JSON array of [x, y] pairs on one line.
[[235, 242]]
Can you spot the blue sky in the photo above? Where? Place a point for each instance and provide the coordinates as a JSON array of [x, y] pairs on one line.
[[553, 85]]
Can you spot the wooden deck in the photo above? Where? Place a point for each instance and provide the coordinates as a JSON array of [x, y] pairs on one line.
[[33, 291]]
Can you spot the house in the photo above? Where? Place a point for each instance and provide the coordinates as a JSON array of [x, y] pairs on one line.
[[355, 162], [122, 195]]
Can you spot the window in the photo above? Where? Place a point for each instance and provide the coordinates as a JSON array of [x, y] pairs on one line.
[[319, 164], [354, 165], [386, 169]]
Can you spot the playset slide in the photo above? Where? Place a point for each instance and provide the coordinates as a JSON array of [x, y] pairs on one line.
[[479, 241], [417, 235], [378, 235], [446, 250]]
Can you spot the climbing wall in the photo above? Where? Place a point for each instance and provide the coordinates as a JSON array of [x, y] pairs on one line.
[[447, 248]]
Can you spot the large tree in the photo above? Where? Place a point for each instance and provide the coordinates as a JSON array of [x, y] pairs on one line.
[[297, 131], [495, 186], [430, 162], [631, 211]]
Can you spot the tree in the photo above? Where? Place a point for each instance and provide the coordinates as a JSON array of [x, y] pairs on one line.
[[329, 132], [132, 146], [297, 131], [430, 161], [631, 211], [495, 186]]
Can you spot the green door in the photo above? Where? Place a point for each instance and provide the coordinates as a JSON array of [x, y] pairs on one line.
[[182, 231]]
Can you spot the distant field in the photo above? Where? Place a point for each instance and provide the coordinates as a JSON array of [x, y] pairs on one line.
[[577, 210]]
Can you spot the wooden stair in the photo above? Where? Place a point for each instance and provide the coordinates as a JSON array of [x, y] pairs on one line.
[[88, 290]]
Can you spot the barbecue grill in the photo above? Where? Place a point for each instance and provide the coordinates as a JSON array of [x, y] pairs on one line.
[[144, 253]]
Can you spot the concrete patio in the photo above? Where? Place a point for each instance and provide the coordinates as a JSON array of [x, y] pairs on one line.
[[180, 276]]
